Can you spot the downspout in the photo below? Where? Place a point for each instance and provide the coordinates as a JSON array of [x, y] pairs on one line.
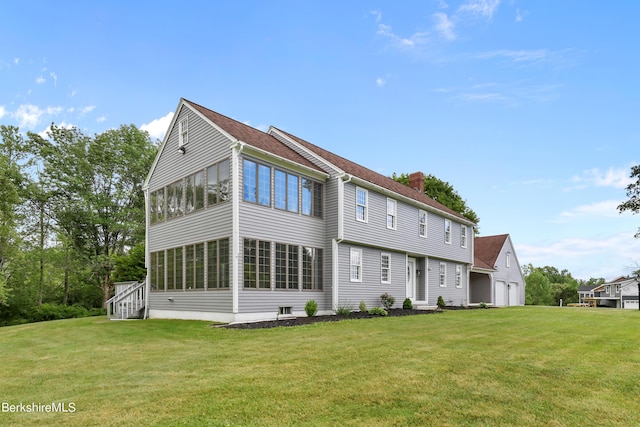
[[335, 242], [147, 286], [235, 234]]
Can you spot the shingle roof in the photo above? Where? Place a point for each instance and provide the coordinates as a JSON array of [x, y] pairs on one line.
[[486, 250], [252, 136], [368, 175]]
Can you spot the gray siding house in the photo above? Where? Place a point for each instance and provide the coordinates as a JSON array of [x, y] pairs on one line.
[[496, 277], [248, 225]]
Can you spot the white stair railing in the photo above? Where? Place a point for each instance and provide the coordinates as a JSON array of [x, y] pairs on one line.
[[128, 303]]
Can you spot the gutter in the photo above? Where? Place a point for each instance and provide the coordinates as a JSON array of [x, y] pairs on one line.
[[335, 242]]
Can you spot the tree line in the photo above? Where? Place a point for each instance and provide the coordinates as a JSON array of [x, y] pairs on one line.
[[72, 217]]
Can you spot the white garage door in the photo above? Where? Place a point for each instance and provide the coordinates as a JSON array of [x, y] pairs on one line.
[[513, 294], [631, 305], [501, 293]]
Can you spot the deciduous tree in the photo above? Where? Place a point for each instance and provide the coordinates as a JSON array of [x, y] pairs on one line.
[[633, 192]]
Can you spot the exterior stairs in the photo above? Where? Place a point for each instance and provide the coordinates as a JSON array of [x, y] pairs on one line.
[[128, 302]]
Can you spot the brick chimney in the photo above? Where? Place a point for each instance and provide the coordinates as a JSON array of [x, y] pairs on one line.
[[416, 181]]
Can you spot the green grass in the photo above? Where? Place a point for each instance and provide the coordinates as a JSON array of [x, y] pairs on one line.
[[513, 366]]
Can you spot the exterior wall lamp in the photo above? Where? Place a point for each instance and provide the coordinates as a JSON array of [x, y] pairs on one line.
[[182, 150]]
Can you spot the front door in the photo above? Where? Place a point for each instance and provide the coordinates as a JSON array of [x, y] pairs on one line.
[[411, 278]]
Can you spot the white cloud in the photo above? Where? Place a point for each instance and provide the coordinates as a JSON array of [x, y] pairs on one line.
[[442, 4], [605, 256], [41, 80], [380, 82], [45, 133], [416, 39], [606, 208], [480, 7], [16, 61], [519, 16], [28, 115], [377, 14], [101, 119], [54, 76], [3, 111], [72, 93], [616, 178], [444, 26], [158, 127], [87, 109], [515, 55]]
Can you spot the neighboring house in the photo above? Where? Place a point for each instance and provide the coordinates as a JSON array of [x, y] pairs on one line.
[[496, 277], [618, 293], [586, 291], [247, 225]]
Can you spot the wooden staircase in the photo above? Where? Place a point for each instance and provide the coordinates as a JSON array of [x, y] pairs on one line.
[[128, 302]]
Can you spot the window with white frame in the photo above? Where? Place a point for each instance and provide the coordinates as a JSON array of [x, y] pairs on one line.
[[447, 231], [392, 213], [422, 223], [458, 276], [463, 236], [443, 274], [362, 197], [508, 259], [385, 268], [355, 261], [183, 137]]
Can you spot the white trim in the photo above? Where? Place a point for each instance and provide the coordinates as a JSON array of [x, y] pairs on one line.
[[183, 131], [393, 215], [235, 238], [458, 275], [449, 234], [388, 255], [442, 278], [359, 252], [420, 224], [465, 235]]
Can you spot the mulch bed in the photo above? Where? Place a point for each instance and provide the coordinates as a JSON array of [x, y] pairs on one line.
[[328, 318]]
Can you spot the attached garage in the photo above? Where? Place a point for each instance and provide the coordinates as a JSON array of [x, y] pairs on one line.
[[513, 294], [630, 304], [502, 293]]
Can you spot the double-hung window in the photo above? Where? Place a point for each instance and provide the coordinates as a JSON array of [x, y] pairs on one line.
[[355, 262], [508, 260], [458, 276], [447, 231], [385, 268], [443, 274], [392, 214], [422, 223], [463, 236], [183, 137], [361, 204]]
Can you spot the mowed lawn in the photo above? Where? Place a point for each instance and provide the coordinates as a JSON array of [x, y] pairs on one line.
[[513, 366]]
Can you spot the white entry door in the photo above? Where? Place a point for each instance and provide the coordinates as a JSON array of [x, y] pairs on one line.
[[513, 294], [411, 278]]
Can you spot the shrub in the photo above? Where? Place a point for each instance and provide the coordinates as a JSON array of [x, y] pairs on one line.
[[387, 300], [343, 310], [440, 302], [483, 305], [407, 304], [379, 311], [311, 308], [363, 306]]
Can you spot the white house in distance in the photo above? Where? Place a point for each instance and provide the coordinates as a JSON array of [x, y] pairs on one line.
[[248, 225]]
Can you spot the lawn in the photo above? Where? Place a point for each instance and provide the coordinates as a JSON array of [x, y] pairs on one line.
[[512, 366]]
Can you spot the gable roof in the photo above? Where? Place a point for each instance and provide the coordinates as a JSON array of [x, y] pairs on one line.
[[252, 136], [372, 177], [486, 250]]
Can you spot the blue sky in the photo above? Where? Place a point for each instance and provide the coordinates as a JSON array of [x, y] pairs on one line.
[[528, 108]]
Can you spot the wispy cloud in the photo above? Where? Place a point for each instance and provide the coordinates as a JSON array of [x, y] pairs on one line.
[[510, 94], [606, 208], [480, 7], [377, 14], [87, 109], [3, 111], [54, 76], [444, 26], [158, 127], [403, 43], [520, 15], [612, 177], [101, 119], [41, 80], [29, 115], [380, 82]]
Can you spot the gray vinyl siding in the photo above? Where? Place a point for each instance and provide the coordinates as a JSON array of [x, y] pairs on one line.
[[450, 293], [274, 225], [370, 289], [513, 274], [206, 146], [405, 237]]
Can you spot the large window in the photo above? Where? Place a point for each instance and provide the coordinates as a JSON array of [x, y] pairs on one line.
[[157, 271], [286, 266], [458, 276], [422, 223], [257, 264], [311, 198], [292, 193], [443, 274], [257, 183], [195, 192], [311, 268], [447, 230], [286, 191], [175, 199], [361, 204], [199, 265], [218, 183], [385, 268], [392, 213], [174, 269], [355, 256], [218, 264]]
